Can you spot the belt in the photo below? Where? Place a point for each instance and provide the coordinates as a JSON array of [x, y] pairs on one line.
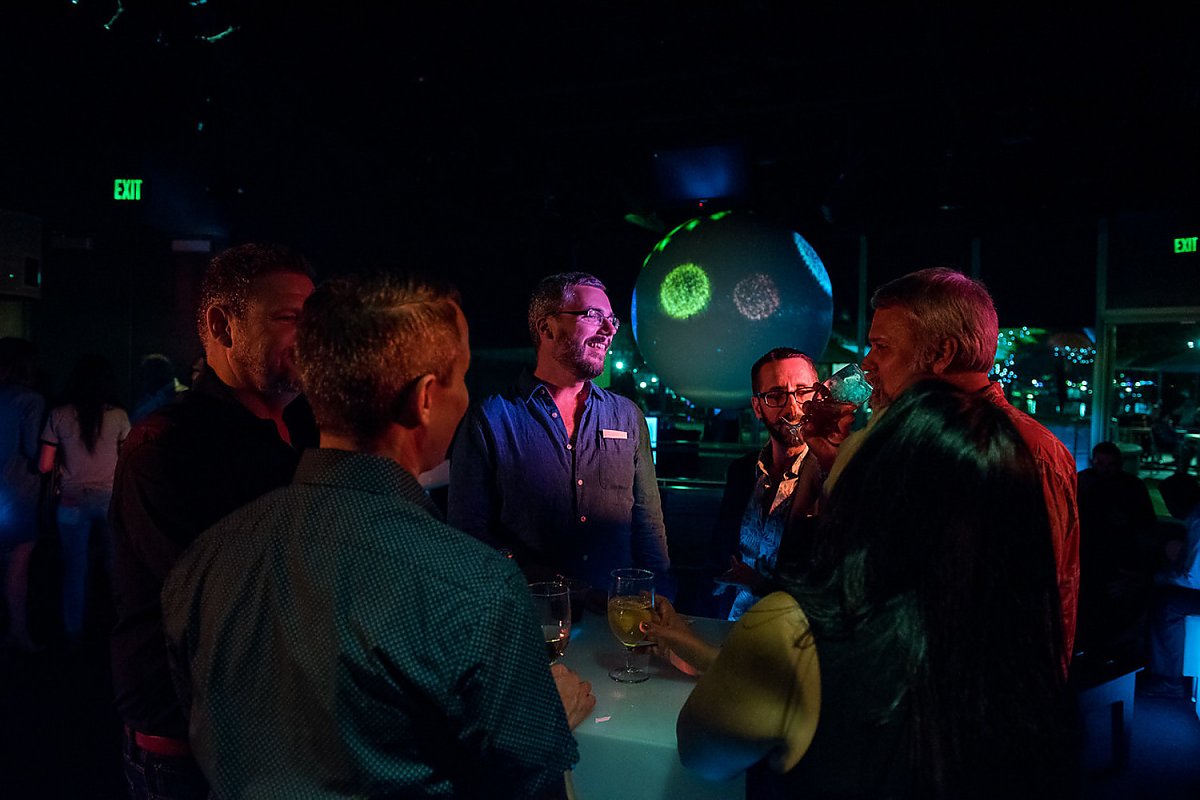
[[159, 745]]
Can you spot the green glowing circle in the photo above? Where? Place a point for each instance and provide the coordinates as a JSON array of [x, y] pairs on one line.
[[685, 292]]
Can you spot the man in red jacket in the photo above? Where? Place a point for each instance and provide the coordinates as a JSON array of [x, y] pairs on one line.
[[939, 323]]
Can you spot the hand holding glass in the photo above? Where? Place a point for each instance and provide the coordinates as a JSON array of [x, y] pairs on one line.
[[830, 414], [849, 385], [552, 607], [630, 603]]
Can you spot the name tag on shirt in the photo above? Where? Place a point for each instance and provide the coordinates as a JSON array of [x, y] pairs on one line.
[[605, 433]]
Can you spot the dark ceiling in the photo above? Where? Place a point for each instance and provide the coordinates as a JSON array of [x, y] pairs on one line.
[[496, 142]]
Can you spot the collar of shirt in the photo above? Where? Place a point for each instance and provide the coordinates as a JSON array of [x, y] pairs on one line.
[[527, 387], [208, 383], [994, 391], [362, 472], [297, 415], [791, 473]]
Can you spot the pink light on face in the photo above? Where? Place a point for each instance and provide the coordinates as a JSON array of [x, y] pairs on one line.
[[756, 296]]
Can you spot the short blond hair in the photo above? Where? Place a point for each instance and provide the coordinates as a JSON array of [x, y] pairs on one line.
[[363, 342]]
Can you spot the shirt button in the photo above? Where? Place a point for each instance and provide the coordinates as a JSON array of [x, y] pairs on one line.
[[554, 414], [583, 518], [568, 447], [579, 482]]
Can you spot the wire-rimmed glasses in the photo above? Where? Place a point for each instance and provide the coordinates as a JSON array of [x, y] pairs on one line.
[[778, 398], [595, 316]]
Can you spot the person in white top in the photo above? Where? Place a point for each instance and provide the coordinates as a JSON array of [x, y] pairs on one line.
[[82, 436]]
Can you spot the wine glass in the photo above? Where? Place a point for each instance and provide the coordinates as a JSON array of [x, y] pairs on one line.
[[552, 607], [630, 601], [849, 385], [830, 412]]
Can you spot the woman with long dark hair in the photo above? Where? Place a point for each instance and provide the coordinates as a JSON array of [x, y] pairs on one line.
[[919, 655], [82, 436]]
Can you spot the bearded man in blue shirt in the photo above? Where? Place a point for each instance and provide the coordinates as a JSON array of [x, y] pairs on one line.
[[557, 470]]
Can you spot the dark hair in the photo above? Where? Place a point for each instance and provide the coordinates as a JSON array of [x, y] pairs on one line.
[[18, 358], [362, 342], [777, 354], [1107, 449], [91, 388], [945, 304], [1180, 493], [229, 275], [552, 293], [940, 517]]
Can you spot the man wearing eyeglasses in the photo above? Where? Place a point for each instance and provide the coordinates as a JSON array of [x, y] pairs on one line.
[[768, 494], [556, 470]]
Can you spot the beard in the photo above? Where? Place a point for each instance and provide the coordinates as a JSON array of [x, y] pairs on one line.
[[584, 362], [785, 433], [275, 378]]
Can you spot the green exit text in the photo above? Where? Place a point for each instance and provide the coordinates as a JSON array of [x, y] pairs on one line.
[[131, 189], [1186, 245]]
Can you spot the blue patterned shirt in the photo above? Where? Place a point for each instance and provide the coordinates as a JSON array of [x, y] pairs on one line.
[[762, 528], [335, 639]]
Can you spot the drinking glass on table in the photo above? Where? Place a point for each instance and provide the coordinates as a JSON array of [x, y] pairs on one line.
[[552, 607], [630, 602]]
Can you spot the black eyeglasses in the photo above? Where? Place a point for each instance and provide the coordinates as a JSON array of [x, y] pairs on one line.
[[594, 316], [778, 398]]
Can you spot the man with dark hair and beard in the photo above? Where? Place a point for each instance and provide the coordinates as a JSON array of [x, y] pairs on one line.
[[556, 470], [234, 437], [769, 493]]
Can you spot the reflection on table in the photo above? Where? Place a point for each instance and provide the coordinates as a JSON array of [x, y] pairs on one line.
[[627, 746]]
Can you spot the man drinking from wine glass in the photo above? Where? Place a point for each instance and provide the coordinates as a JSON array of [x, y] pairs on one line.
[[557, 470], [335, 637], [768, 491], [939, 323]]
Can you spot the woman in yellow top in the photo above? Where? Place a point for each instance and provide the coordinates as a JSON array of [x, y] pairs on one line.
[[918, 656]]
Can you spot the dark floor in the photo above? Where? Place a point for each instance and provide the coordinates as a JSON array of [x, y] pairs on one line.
[[1164, 754], [59, 736]]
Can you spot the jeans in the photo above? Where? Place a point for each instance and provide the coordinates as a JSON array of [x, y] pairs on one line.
[[81, 512], [154, 777]]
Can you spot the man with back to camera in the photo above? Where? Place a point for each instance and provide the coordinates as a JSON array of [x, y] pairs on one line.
[[940, 323], [768, 492], [235, 436], [335, 638], [556, 469]]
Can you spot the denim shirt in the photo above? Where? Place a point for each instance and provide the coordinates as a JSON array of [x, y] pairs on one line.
[[582, 509]]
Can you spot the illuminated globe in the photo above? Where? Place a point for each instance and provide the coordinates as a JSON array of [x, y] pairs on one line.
[[717, 293]]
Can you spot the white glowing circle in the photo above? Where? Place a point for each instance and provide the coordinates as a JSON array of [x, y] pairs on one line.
[[756, 296]]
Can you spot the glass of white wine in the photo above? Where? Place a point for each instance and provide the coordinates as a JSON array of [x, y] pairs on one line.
[[630, 602], [552, 607]]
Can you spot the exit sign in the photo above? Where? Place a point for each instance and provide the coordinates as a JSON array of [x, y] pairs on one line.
[[1186, 245], [129, 189]]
